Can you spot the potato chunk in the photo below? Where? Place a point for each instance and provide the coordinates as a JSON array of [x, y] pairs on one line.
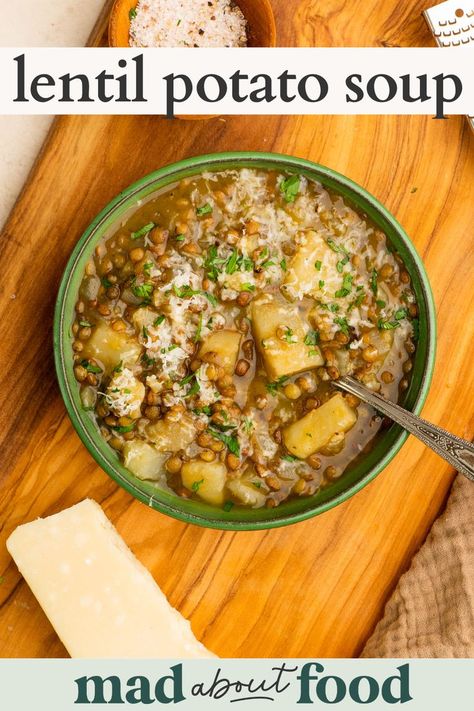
[[171, 436], [247, 493], [226, 344], [313, 264], [111, 347], [313, 431], [143, 460], [288, 354], [206, 479]]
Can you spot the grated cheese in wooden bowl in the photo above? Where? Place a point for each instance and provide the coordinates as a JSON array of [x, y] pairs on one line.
[[187, 23]]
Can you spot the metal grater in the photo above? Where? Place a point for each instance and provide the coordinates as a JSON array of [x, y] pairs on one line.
[[452, 25]]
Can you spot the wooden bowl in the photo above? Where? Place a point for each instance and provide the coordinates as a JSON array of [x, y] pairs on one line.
[[261, 27]]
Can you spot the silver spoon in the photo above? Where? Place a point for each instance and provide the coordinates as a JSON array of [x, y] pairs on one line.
[[458, 452]]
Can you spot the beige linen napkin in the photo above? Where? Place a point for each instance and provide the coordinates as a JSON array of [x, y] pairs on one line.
[[431, 612]]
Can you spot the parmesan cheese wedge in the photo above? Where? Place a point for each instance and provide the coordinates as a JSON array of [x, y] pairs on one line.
[[100, 599]]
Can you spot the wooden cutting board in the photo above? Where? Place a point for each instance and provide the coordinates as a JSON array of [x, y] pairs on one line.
[[313, 589]]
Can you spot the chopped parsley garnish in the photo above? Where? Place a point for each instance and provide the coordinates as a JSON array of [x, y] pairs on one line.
[[246, 264], [105, 282], [145, 332], [312, 338], [187, 379], [276, 384], [237, 262], [85, 324], [283, 264], [228, 506], [387, 325], [123, 429], [148, 267], [346, 287], [268, 263], [289, 336], [290, 188], [197, 335], [215, 265], [206, 410], [185, 292], [381, 304], [158, 321], [321, 283], [147, 361], [357, 301], [289, 458], [196, 485], [340, 250], [90, 367], [143, 291], [343, 325], [230, 441], [212, 262], [232, 262], [248, 425], [334, 308], [143, 231], [210, 297], [373, 282], [178, 23], [180, 238], [132, 13], [257, 484], [390, 324], [195, 387], [247, 287], [318, 264], [118, 368], [204, 210], [400, 314]]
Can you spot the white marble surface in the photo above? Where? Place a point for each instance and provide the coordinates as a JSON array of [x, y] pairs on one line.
[[35, 23]]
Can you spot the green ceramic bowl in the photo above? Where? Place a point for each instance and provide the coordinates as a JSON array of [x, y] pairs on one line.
[[237, 518]]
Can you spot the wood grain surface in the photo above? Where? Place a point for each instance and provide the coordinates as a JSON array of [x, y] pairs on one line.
[[313, 589]]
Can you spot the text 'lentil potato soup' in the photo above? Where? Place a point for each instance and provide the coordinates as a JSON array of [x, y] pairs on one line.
[[209, 328]]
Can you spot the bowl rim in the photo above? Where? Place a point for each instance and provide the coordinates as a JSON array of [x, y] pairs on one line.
[[196, 165]]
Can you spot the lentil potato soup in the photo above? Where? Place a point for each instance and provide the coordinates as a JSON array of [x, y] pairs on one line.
[[210, 326]]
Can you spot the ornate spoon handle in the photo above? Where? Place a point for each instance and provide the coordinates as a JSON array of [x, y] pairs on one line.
[[458, 452]]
